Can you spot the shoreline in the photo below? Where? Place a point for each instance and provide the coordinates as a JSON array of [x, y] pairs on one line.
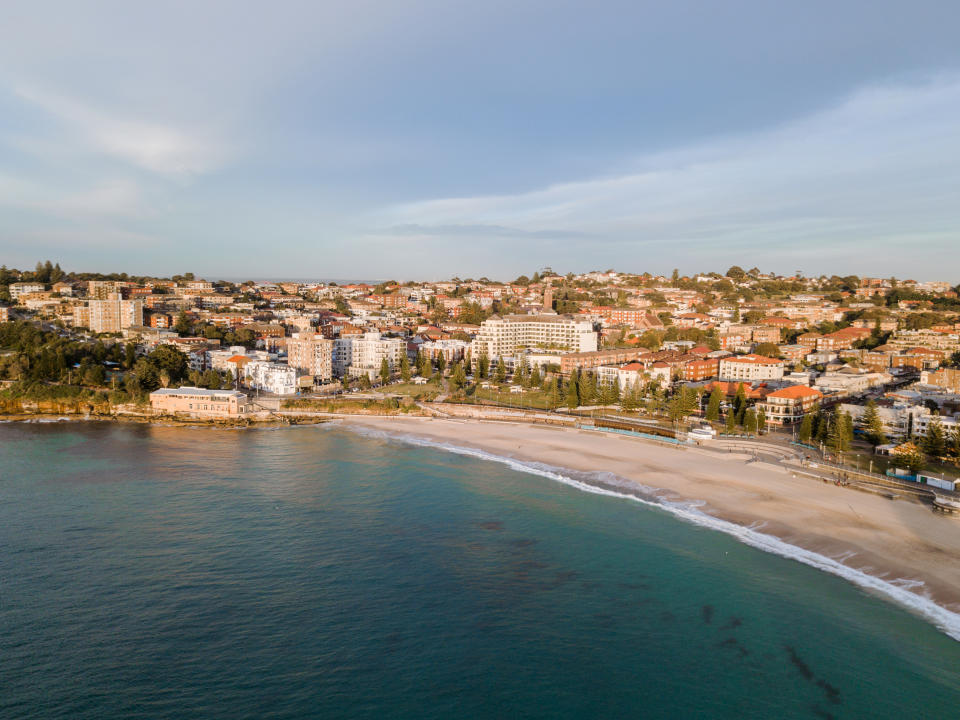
[[899, 549], [168, 420]]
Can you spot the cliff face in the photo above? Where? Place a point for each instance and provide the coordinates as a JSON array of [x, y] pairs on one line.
[[72, 406]]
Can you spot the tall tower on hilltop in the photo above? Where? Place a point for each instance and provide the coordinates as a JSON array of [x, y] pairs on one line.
[[548, 297]]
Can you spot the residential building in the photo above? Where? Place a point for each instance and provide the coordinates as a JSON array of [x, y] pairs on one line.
[[596, 358], [696, 370], [788, 405], [103, 289], [901, 421], [271, 377], [364, 355], [626, 375], [24, 288], [199, 402], [451, 350], [750, 367], [311, 354], [109, 315], [626, 316], [505, 336], [851, 381], [947, 378]]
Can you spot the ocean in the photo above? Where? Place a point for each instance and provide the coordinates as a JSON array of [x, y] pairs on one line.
[[314, 572]]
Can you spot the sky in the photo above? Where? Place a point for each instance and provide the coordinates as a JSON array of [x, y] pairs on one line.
[[413, 139]]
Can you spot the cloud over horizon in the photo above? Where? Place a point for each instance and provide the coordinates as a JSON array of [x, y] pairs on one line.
[[429, 138]]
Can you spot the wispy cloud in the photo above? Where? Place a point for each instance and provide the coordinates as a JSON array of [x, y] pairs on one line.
[[118, 197], [415, 230], [872, 167], [160, 148]]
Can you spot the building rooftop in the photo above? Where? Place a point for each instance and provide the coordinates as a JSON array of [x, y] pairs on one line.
[[196, 391], [795, 392], [754, 359]]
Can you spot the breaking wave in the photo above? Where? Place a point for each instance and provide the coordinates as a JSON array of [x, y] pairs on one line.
[[900, 591]]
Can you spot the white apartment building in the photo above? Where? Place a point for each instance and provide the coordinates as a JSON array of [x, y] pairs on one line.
[[505, 336], [220, 359], [271, 377], [850, 381], [627, 375], [750, 367], [900, 420], [24, 288], [311, 354], [363, 355]]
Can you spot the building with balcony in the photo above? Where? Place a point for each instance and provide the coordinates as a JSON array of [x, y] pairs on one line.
[[271, 377], [750, 368], [311, 354], [788, 405]]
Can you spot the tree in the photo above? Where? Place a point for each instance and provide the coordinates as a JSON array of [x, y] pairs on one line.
[[422, 364], [954, 446], [130, 356], [384, 371], [679, 404], [483, 365], [145, 376], [441, 363], [731, 424], [713, 405], [365, 381], [95, 375], [535, 379], [736, 273], [740, 403], [520, 372], [873, 424], [909, 456], [405, 373], [500, 375], [935, 442], [171, 360], [837, 436], [762, 420], [182, 324], [750, 421], [459, 377], [768, 349], [821, 426], [586, 388]]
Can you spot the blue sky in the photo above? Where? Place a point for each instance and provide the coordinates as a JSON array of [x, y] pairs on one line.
[[427, 139]]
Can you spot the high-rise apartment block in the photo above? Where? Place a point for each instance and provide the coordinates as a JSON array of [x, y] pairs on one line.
[[109, 315], [507, 335], [312, 354], [364, 355]]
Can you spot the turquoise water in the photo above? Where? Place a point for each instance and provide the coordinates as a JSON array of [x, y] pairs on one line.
[[310, 572]]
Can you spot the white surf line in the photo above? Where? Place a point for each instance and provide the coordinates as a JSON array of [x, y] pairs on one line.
[[896, 590]]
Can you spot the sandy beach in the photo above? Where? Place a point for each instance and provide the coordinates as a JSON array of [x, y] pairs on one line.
[[891, 539]]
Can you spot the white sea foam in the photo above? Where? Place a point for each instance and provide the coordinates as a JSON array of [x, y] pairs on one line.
[[901, 591]]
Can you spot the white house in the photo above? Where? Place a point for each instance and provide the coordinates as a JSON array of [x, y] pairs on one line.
[[271, 377]]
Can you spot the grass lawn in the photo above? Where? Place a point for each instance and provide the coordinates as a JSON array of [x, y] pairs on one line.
[[418, 392]]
